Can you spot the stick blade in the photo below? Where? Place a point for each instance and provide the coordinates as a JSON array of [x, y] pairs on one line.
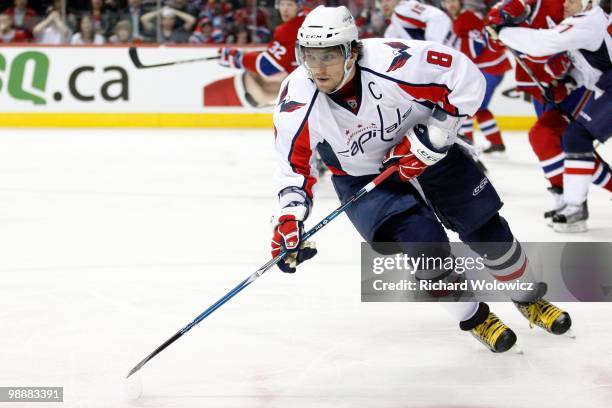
[[133, 52]]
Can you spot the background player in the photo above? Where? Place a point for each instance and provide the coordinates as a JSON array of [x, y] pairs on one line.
[[585, 35], [412, 20], [467, 30], [409, 101], [263, 70], [545, 135]]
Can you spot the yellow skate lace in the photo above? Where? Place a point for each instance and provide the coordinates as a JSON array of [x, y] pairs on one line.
[[543, 314], [490, 330]]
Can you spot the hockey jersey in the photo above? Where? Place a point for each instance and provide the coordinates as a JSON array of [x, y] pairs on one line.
[[280, 54], [467, 37], [543, 14], [412, 20], [586, 38], [398, 84]]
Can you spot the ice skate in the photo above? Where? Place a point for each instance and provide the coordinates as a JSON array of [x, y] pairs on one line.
[[559, 204], [487, 328], [546, 315], [572, 218], [495, 148]]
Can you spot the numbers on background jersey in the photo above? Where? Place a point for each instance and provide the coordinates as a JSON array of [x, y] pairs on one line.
[[439, 58], [277, 50], [418, 9]]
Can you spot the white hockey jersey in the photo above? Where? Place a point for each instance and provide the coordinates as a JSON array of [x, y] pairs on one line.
[[399, 83], [585, 36], [412, 20]]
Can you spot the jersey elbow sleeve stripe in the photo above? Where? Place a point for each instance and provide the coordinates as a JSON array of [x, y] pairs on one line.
[[417, 23], [267, 66]]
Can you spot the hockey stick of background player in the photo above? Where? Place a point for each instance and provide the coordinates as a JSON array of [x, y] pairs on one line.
[[546, 95], [133, 52], [366, 189]]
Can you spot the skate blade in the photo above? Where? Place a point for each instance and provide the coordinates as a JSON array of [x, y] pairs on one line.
[[516, 349], [549, 222], [576, 227], [570, 334]]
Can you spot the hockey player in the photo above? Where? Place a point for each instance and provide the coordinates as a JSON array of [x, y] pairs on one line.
[[467, 31], [545, 136], [412, 20], [264, 70], [585, 35], [395, 103]]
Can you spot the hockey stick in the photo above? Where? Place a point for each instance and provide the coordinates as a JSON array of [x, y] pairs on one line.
[[545, 94], [366, 189], [133, 52]]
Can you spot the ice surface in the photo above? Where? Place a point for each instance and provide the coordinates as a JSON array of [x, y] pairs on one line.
[[112, 240]]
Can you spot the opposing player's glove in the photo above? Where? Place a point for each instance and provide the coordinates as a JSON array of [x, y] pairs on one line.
[[411, 155], [507, 12], [288, 230], [560, 89], [230, 57], [558, 65]]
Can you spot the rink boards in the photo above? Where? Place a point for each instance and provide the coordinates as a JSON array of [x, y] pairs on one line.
[[47, 86]]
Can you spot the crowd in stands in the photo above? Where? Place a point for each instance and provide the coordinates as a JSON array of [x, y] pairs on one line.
[[175, 22]]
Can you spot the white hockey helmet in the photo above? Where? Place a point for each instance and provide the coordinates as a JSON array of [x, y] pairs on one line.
[[327, 27]]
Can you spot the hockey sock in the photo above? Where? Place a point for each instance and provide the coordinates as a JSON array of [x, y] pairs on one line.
[[467, 129], [488, 126], [545, 140], [579, 169], [579, 163], [602, 176], [460, 311], [504, 256]]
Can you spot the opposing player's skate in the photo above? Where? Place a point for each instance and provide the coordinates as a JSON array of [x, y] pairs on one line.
[[487, 328], [558, 204], [572, 218], [495, 148]]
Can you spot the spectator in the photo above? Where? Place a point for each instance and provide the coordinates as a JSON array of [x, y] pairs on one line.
[[86, 34], [8, 34], [169, 34], [133, 14], [52, 30], [104, 16], [260, 26], [240, 35], [123, 33], [24, 17], [205, 33]]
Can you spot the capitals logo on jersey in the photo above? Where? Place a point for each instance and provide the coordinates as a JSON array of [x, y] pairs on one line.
[[401, 56], [287, 105]]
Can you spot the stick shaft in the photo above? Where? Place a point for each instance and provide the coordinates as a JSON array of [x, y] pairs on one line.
[[366, 189], [133, 53]]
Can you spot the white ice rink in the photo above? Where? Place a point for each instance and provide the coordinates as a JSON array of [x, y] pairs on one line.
[[112, 240]]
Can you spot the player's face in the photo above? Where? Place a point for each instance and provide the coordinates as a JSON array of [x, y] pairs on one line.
[[288, 9], [571, 7], [452, 6], [387, 7], [326, 66]]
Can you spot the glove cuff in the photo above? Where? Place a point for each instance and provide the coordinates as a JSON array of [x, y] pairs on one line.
[[422, 152]]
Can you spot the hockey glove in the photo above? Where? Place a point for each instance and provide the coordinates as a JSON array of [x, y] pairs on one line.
[[558, 65], [508, 12], [230, 57], [288, 230], [559, 90], [411, 156]]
